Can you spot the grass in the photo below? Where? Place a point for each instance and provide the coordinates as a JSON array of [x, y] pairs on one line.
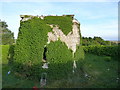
[[102, 72], [12, 80]]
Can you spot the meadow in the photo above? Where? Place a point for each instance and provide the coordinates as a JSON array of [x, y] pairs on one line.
[[97, 71]]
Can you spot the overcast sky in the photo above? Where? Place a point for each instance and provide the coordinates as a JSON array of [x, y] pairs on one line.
[[96, 18]]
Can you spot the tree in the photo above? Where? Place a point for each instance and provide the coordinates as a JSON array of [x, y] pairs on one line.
[[86, 41], [5, 34]]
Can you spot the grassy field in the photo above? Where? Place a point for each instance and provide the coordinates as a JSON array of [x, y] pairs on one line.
[[97, 72]]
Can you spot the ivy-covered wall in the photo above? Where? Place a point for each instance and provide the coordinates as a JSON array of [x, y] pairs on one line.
[[30, 44], [64, 22], [29, 48]]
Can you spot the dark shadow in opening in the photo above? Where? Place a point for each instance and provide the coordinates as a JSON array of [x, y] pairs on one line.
[[44, 53]]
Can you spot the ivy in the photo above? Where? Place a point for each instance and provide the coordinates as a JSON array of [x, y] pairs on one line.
[[64, 23], [29, 48]]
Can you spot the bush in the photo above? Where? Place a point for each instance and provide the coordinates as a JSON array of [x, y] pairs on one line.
[[107, 59], [103, 50]]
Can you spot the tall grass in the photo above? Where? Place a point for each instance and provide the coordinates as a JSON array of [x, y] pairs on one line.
[[103, 74]]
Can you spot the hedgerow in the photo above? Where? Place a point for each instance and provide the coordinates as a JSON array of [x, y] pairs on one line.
[[103, 50]]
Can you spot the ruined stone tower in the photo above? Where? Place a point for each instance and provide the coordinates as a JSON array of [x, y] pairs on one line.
[[48, 43]]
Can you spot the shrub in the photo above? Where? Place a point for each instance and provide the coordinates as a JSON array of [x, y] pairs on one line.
[[107, 59], [103, 50]]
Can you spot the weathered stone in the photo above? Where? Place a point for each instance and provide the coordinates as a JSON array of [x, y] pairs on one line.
[[71, 40]]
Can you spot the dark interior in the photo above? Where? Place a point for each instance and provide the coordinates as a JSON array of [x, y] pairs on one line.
[[44, 53]]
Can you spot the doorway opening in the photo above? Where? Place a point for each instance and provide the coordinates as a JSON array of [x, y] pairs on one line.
[[44, 54], [45, 63]]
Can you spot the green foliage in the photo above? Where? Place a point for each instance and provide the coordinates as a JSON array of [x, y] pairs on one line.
[[5, 52], [11, 53], [29, 48], [64, 22], [58, 52], [103, 50], [103, 73], [60, 58], [107, 58], [26, 16], [6, 35], [95, 66], [30, 45], [94, 41], [79, 55]]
